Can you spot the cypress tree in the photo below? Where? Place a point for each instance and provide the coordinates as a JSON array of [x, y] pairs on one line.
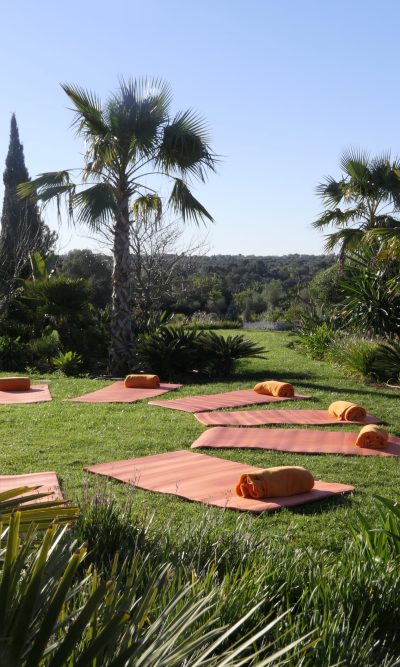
[[22, 229]]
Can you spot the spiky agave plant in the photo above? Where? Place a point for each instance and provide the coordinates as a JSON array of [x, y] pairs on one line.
[[53, 615]]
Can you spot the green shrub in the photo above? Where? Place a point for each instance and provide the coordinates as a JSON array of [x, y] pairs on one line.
[[15, 329], [211, 326], [220, 354], [317, 341], [68, 363], [370, 305], [210, 321], [13, 354], [173, 351], [356, 354], [386, 363], [168, 351], [42, 350]]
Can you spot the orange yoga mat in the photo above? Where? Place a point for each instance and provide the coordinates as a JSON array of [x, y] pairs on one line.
[[299, 441], [263, 417], [36, 394], [118, 393], [47, 481], [229, 399], [204, 479]]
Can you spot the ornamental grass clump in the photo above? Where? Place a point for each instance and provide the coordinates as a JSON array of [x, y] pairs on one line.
[[54, 612]]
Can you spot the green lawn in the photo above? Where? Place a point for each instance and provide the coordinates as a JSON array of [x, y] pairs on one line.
[[64, 437]]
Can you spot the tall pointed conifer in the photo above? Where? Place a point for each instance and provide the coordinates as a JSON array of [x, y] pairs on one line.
[[22, 229]]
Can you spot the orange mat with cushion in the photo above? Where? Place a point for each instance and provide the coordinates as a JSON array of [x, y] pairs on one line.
[[47, 481], [204, 479], [230, 399], [118, 393], [299, 441], [38, 393], [264, 417]]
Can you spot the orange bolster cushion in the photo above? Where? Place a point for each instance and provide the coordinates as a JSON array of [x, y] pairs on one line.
[[15, 384], [140, 381], [274, 388], [346, 411], [275, 482], [372, 437]]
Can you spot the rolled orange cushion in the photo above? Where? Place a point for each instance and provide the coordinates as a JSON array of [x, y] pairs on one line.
[[142, 381], [346, 411], [372, 437], [15, 384], [275, 482], [274, 388]]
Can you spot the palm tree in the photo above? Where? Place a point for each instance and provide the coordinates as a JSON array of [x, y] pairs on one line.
[[132, 144], [363, 204]]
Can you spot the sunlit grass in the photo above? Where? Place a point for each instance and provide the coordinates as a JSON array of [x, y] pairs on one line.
[[65, 437]]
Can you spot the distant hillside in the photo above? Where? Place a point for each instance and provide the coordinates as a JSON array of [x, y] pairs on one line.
[[240, 272]]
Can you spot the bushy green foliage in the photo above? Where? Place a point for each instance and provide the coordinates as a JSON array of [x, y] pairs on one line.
[[316, 341], [13, 354], [54, 612], [168, 351], [354, 353], [94, 268], [209, 321], [174, 350], [325, 287], [369, 305], [211, 326], [59, 297], [219, 354], [42, 350], [386, 364], [68, 363]]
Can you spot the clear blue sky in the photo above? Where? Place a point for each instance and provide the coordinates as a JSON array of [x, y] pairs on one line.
[[285, 85]]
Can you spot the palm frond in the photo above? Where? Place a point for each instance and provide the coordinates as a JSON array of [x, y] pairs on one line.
[[148, 207], [46, 186], [137, 111], [347, 239], [338, 217], [185, 146], [94, 205], [354, 156], [330, 191], [89, 119], [185, 204], [49, 186]]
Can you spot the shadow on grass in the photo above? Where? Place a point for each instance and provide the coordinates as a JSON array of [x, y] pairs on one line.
[[246, 376], [322, 506], [350, 390]]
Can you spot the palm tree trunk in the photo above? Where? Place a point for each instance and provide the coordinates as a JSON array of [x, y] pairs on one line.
[[121, 316]]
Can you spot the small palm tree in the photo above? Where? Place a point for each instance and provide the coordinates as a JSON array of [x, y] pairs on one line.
[[363, 205], [132, 142]]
